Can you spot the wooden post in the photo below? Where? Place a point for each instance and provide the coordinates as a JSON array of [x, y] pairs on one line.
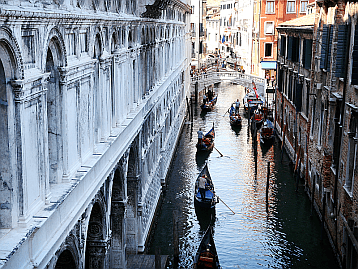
[[267, 181], [312, 193], [175, 237], [158, 264], [192, 108], [187, 103]]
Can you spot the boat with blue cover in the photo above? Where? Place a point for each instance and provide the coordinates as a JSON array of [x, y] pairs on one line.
[[205, 197], [252, 101], [208, 106], [235, 118]]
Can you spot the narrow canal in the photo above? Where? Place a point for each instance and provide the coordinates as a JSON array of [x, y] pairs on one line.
[[279, 234]]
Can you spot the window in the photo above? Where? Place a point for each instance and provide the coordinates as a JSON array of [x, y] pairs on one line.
[[270, 7], [268, 49], [269, 28], [291, 6], [352, 155], [304, 6]]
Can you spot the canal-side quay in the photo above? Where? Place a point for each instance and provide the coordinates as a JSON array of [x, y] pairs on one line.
[[283, 232]]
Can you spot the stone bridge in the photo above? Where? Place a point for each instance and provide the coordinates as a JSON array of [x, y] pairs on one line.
[[201, 81]]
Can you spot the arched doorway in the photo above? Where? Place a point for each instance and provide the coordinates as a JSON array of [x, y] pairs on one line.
[[96, 89], [118, 249], [66, 261], [95, 257], [7, 197], [54, 112]]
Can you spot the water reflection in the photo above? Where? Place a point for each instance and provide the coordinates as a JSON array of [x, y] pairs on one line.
[[273, 233]]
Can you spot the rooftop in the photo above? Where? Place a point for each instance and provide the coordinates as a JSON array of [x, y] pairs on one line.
[[304, 21]]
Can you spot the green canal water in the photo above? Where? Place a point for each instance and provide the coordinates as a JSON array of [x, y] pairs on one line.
[[278, 234]]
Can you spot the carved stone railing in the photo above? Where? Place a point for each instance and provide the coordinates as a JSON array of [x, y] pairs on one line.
[[235, 77]]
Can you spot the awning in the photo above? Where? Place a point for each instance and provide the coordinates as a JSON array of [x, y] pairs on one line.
[[269, 65]]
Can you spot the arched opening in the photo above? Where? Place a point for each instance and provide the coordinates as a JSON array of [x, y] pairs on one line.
[[54, 104], [8, 71], [5, 172], [118, 250], [66, 261], [96, 90], [95, 244]]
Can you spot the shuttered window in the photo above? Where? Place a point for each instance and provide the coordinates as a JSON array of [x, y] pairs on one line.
[[283, 46], [289, 48], [355, 58], [341, 50], [307, 53], [295, 49], [326, 46]]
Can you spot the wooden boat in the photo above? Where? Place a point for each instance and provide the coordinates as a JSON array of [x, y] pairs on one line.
[[206, 256], [210, 199], [258, 117], [207, 143], [267, 131], [252, 101], [209, 105], [235, 118]]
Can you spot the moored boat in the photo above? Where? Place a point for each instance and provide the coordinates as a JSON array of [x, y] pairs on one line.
[[205, 197], [207, 143], [206, 256], [258, 117], [251, 102], [267, 131], [208, 106]]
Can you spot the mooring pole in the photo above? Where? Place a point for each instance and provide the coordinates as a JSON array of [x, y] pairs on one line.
[[189, 108], [175, 237], [157, 259], [267, 181]]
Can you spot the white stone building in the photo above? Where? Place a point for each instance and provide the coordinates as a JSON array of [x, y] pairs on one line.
[[244, 22], [213, 29], [227, 27], [91, 104]]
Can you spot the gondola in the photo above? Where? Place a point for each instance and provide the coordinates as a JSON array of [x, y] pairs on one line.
[[258, 117], [207, 107], [207, 143], [206, 256], [235, 118], [252, 101], [210, 199], [267, 132]]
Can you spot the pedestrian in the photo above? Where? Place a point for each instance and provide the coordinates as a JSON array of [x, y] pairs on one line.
[[268, 79], [200, 136], [272, 81], [202, 183]]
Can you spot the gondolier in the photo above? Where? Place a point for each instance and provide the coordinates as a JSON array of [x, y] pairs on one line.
[[200, 136], [202, 186], [237, 106]]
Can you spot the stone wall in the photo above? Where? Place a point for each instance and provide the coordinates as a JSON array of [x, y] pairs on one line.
[[92, 100]]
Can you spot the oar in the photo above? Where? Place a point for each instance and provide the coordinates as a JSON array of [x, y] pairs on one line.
[[222, 201], [225, 113], [221, 155]]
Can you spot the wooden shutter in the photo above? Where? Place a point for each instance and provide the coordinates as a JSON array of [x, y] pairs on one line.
[[307, 56], [324, 47], [289, 48], [341, 50], [355, 58]]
